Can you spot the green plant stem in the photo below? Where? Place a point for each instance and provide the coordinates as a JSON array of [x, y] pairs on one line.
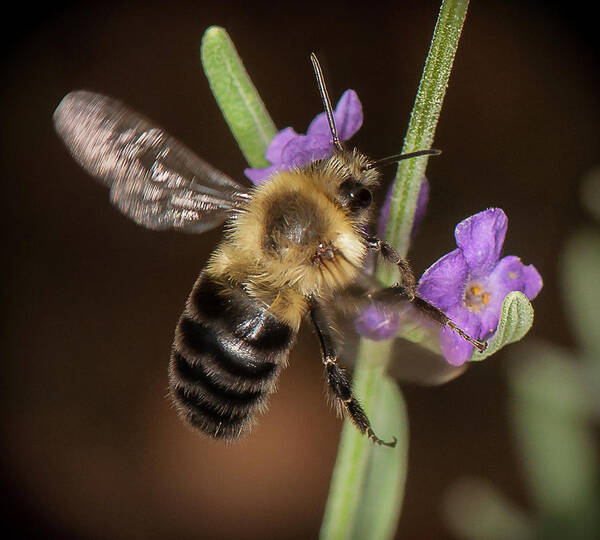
[[421, 129], [357, 455], [354, 450]]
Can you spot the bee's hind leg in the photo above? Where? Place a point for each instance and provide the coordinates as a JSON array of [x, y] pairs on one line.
[[338, 382]]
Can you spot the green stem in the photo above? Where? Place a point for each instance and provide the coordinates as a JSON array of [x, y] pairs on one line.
[[354, 450], [357, 458], [421, 129]]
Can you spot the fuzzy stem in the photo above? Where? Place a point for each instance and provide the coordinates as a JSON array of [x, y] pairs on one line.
[[421, 129], [353, 475]]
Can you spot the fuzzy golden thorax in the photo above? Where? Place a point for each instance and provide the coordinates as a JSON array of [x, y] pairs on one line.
[[296, 240]]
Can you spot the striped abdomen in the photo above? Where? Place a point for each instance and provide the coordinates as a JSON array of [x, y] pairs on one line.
[[227, 353]]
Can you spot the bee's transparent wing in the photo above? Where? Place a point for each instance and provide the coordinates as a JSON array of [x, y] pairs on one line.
[[153, 178], [409, 362]]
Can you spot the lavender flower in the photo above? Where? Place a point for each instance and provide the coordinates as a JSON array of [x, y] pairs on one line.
[[289, 149], [378, 322], [470, 283]]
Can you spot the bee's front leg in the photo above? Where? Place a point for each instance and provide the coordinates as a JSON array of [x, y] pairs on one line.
[[390, 255], [406, 288]]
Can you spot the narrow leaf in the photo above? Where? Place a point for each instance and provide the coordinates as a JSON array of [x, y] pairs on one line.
[[237, 97], [554, 435], [580, 272], [476, 510], [515, 321], [346, 493], [380, 503]]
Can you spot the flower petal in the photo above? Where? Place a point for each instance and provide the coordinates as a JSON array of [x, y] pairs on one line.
[[258, 176], [510, 274], [273, 153], [377, 323], [422, 200], [302, 150], [490, 316], [480, 237], [348, 118], [443, 283], [288, 149], [455, 349]]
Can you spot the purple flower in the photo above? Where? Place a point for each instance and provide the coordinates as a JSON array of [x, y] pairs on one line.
[[377, 322], [289, 149], [470, 283]]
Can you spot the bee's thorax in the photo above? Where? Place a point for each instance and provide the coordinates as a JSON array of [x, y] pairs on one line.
[[294, 241]]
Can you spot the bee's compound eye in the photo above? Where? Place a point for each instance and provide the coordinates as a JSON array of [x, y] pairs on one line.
[[361, 197], [355, 195]]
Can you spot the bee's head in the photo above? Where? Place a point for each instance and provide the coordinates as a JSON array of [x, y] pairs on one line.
[[356, 181], [355, 175]]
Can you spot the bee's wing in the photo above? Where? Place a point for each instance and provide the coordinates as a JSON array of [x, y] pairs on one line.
[[153, 178], [409, 362]]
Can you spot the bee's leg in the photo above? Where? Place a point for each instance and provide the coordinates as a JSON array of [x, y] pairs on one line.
[[427, 309], [407, 288], [337, 380], [390, 255]]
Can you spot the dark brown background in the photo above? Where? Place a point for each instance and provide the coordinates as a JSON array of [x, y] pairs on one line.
[[91, 446]]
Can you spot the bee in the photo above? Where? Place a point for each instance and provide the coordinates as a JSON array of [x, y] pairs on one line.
[[289, 247]]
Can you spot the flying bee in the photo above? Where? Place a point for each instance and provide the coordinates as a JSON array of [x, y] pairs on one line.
[[291, 245]]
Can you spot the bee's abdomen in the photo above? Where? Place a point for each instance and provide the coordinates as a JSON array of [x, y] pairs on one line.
[[227, 353]]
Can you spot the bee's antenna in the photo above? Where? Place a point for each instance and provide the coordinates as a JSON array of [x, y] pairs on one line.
[[399, 157], [326, 100]]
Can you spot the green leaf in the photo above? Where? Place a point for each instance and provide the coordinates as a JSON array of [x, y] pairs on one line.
[[550, 406], [580, 273], [515, 321], [237, 97], [380, 503], [476, 510], [365, 474]]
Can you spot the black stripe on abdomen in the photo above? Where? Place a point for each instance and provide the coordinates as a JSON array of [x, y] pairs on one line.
[[236, 358], [227, 353], [245, 318]]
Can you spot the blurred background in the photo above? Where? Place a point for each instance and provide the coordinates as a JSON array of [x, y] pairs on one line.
[[91, 446]]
